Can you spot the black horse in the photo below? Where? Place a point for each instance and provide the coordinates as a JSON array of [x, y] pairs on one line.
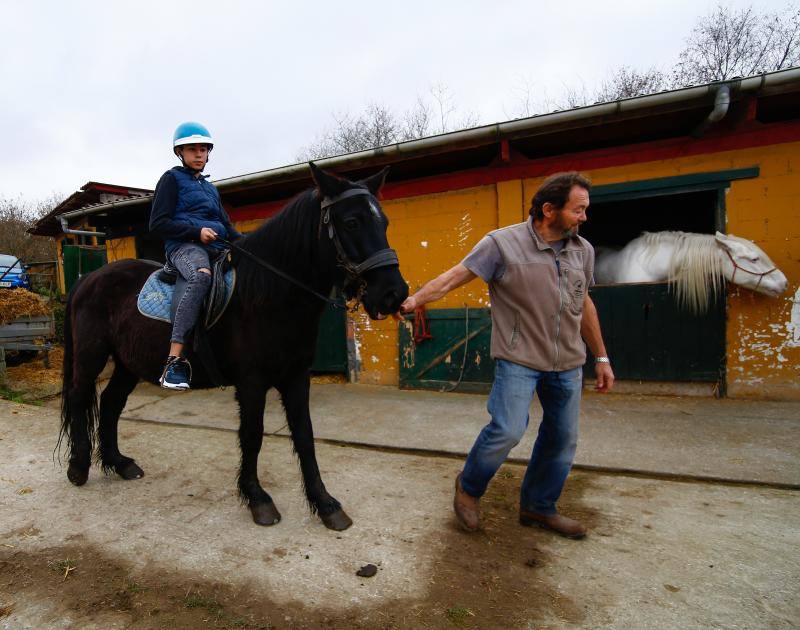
[[331, 235]]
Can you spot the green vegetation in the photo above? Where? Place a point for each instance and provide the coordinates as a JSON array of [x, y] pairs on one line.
[[459, 614]]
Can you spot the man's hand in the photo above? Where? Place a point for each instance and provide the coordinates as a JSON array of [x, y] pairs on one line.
[[605, 377], [410, 305], [207, 235]]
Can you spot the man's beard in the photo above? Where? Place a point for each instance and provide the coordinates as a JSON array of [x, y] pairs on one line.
[[567, 232]]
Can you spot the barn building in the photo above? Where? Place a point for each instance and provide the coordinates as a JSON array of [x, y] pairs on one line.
[[723, 156]]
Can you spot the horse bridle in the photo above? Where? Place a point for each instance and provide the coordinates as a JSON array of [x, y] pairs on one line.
[[736, 268], [382, 258]]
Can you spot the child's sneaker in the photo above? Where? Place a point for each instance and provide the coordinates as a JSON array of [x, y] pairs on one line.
[[177, 374]]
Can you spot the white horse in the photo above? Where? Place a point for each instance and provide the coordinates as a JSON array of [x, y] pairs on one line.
[[695, 265]]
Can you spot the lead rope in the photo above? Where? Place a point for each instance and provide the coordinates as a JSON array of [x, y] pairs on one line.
[[466, 348]]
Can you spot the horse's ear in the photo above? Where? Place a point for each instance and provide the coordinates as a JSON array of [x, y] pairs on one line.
[[375, 182], [328, 185], [722, 240]]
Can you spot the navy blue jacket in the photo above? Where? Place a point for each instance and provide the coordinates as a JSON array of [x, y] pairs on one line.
[[183, 204]]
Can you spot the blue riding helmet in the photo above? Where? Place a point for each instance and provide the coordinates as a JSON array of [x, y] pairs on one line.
[[191, 133]]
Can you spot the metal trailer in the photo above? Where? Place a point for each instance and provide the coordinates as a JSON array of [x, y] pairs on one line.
[[26, 334]]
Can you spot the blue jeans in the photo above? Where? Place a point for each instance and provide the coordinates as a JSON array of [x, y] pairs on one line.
[[188, 258], [554, 450]]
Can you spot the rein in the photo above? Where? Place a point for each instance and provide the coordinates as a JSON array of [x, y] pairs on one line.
[[382, 258], [278, 272], [754, 273]]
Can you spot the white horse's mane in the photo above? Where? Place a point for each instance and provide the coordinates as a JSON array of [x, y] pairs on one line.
[[695, 267]]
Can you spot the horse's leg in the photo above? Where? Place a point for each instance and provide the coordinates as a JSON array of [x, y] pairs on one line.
[[295, 400], [80, 413], [252, 398], [112, 402]]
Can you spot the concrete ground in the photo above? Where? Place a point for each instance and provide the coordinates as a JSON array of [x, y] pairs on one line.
[[704, 438], [704, 532]]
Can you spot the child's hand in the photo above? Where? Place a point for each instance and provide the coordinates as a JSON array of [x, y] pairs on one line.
[[207, 235]]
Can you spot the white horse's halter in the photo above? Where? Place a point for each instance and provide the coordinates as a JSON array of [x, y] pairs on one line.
[[754, 273]]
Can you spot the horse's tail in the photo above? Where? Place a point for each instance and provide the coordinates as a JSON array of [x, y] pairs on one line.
[[67, 402]]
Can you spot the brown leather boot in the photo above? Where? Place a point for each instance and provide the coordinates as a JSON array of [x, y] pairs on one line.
[[568, 527], [467, 509]]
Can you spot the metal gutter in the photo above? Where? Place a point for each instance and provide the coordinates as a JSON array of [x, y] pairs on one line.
[[65, 228], [485, 134], [74, 214]]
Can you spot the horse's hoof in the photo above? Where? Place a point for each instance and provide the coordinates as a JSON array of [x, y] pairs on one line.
[[337, 521], [265, 514], [76, 475], [129, 471]]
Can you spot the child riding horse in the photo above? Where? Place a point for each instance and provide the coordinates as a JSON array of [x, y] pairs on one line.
[[331, 235], [188, 214]]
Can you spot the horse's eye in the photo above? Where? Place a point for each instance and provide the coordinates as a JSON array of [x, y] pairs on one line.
[[351, 223]]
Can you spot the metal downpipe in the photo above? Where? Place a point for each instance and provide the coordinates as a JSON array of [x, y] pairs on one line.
[[722, 101]]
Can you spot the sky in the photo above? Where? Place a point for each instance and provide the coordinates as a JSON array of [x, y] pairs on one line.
[[92, 91]]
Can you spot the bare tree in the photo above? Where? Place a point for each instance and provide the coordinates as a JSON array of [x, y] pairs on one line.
[[783, 29], [446, 110], [16, 217], [626, 82], [723, 44], [379, 126], [417, 121], [728, 43]]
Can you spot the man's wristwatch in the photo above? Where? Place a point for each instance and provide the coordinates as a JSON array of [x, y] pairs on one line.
[[602, 360]]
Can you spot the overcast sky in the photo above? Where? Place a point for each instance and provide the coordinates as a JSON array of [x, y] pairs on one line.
[[92, 91]]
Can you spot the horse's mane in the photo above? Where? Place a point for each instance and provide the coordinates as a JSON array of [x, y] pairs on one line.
[[695, 267], [287, 241]]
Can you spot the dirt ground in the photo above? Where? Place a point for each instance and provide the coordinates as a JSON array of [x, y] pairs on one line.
[[487, 580], [176, 550]]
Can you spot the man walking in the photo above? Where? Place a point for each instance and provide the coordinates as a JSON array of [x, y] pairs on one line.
[[538, 274]]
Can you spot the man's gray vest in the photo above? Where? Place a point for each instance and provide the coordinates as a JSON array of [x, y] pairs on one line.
[[538, 303]]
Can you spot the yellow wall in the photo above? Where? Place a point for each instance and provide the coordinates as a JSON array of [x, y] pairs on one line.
[[247, 226], [433, 232], [119, 248]]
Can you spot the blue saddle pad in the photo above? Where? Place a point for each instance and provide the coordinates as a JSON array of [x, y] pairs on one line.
[[155, 298]]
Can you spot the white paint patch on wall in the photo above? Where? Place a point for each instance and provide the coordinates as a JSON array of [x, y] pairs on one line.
[[793, 327], [767, 347], [464, 230]]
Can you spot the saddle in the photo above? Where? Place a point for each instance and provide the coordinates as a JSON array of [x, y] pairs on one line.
[[164, 288]]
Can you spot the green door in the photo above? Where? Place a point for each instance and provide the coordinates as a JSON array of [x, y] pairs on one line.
[[331, 353], [650, 338], [439, 363], [80, 260]]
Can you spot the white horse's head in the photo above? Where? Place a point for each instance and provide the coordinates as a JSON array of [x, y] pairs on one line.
[[749, 266]]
